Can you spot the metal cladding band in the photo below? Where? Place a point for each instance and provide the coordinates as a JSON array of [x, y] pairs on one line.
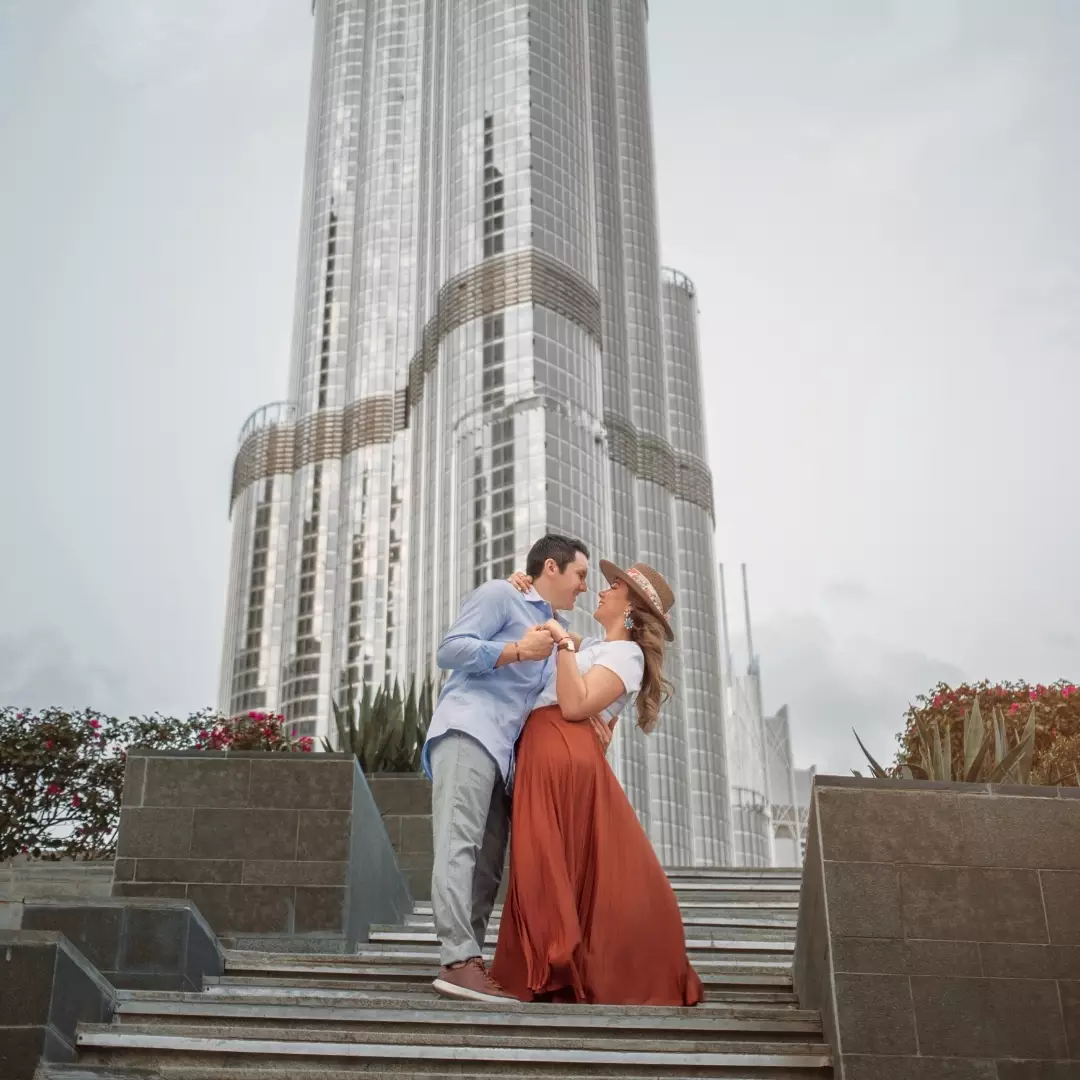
[[650, 458], [282, 448], [521, 277]]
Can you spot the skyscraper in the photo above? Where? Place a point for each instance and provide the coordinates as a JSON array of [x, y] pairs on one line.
[[485, 349]]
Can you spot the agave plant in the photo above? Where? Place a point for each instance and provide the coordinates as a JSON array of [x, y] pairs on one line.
[[385, 730], [989, 755]]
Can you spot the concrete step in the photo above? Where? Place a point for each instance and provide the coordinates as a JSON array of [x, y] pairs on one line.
[[323, 1070], [739, 873], [170, 1047], [710, 907], [416, 985], [702, 951], [434, 1014], [280, 943], [727, 929], [427, 961]]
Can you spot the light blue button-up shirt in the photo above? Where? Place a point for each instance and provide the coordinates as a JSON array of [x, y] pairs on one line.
[[491, 704]]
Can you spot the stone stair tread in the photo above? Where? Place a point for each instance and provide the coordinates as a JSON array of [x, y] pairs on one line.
[[427, 963], [717, 992], [707, 933], [470, 1048], [436, 1010]]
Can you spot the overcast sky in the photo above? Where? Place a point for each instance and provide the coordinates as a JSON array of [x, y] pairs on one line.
[[877, 202]]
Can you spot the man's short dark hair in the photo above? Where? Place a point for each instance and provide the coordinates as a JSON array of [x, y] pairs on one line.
[[563, 549]]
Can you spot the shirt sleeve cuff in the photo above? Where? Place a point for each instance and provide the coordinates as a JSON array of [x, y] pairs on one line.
[[489, 654]]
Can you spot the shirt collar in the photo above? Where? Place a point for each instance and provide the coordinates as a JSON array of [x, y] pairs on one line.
[[533, 597]]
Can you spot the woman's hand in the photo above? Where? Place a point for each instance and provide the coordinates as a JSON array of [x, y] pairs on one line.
[[556, 630], [603, 732], [522, 582]]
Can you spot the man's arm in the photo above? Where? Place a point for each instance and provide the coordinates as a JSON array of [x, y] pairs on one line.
[[468, 646]]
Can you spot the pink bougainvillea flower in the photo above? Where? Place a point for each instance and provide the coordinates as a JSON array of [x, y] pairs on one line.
[[1014, 708], [53, 789], [76, 801], [938, 701], [95, 724]]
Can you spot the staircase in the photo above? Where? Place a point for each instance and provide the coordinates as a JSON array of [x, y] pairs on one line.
[[301, 1017]]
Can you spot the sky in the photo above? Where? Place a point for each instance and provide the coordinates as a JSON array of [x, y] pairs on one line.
[[877, 204]]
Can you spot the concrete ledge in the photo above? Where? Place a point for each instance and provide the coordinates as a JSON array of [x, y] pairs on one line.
[[46, 989], [938, 930], [143, 944]]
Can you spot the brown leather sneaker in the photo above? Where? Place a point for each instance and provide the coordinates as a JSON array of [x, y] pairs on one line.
[[471, 981]]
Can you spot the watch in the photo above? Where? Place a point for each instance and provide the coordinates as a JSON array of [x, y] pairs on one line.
[[567, 643]]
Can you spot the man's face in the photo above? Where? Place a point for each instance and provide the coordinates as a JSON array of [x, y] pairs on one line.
[[569, 584]]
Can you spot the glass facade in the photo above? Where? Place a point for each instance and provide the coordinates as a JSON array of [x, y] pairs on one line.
[[747, 749], [485, 349]]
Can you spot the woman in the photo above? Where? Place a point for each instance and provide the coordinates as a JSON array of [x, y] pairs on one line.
[[590, 915]]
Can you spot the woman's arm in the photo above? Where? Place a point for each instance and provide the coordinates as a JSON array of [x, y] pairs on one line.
[[582, 696]]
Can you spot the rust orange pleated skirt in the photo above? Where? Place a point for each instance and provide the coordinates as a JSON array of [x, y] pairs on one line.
[[590, 915]]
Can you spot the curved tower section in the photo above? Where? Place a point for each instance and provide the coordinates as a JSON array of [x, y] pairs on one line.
[[483, 351], [696, 594], [259, 506], [505, 393]]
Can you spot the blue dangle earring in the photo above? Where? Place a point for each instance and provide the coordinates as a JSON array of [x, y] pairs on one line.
[[628, 620]]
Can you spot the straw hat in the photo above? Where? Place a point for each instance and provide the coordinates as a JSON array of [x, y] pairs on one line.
[[647, 585]]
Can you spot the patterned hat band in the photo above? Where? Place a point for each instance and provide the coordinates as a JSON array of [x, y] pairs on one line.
[[646, 587]]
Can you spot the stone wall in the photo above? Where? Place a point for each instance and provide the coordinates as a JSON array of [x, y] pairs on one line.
[[46, 989], [262, 843], [939, 929], [24, 879], [404, 801], [142, 943]]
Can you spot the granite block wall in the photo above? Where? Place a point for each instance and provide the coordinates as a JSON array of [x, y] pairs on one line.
[[939, 929], [142, 943], [262, 843], [46, 988]]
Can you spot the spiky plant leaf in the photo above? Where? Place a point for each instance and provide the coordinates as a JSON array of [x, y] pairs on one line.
[[976, 766], [930, 747], [946, 752], [1001, 736], [974, 735], [1022, 771], [1006, 768], [876, 769]]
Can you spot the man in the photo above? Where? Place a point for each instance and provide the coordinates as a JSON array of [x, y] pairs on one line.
[[500, 657]]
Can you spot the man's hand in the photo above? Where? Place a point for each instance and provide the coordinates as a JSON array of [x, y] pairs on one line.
[[603, 732], [536, 644], [555, 629]]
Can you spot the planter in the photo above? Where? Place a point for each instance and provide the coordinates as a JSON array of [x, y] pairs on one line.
[[265, 844], [939, 929]]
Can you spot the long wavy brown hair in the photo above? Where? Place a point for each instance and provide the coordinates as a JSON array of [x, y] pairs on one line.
[[648, 632]]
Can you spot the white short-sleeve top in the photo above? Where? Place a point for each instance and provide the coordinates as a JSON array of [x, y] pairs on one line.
[[625, 658]]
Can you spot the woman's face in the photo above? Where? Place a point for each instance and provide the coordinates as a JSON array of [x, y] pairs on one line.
[[614, 600]]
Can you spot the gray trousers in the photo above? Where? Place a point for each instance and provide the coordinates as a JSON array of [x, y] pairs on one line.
[[470, 819]]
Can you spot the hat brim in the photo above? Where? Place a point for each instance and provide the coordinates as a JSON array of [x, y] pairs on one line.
[[614, 573]]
